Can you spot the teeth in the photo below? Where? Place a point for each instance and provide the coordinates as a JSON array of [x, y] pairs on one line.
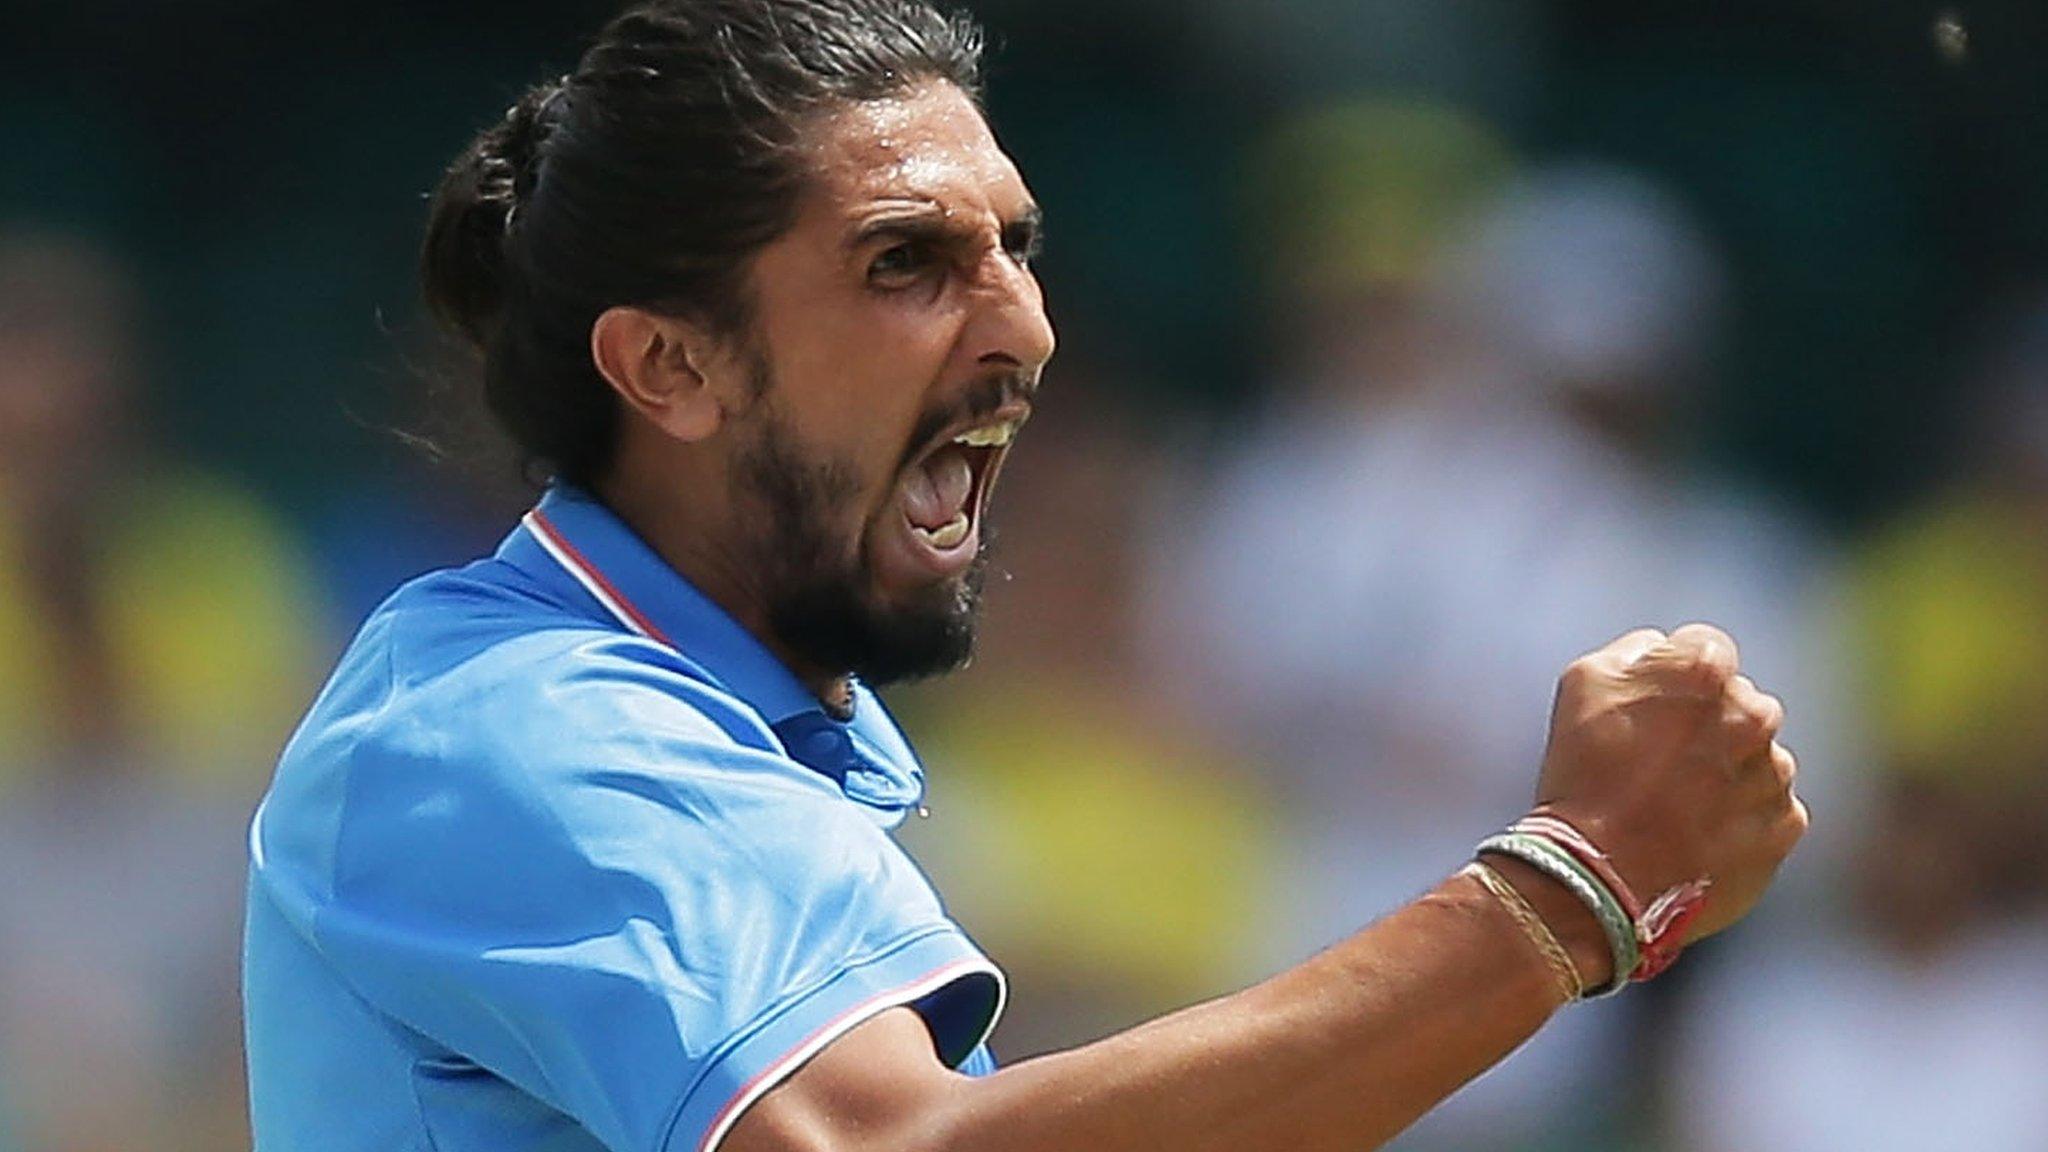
[[988, 436], [951, 535]]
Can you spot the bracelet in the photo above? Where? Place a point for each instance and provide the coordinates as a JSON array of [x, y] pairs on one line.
[[1568, 837], [1566, 973], [1581, 881], [1659, 926]]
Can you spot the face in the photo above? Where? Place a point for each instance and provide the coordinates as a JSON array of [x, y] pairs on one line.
[[898, 339]]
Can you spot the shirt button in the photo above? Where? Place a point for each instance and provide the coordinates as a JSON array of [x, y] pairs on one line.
[[827, 744]]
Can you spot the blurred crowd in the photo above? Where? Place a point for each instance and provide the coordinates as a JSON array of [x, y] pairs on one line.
[[1338, 625], [1255, 670]]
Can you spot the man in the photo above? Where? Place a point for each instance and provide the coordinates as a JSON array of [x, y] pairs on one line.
[[583, 845]]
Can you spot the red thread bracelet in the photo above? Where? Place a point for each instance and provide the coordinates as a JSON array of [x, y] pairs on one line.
[[1660, 925]]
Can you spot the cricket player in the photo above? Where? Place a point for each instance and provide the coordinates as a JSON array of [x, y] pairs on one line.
[[585, 845]]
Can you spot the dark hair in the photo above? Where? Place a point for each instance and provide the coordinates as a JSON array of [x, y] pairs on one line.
[[650, 176]]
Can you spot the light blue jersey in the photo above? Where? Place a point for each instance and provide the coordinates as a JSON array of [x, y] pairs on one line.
[[564, 859]]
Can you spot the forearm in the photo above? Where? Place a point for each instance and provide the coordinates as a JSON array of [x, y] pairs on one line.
[[1342, 1052], [1657, 745]]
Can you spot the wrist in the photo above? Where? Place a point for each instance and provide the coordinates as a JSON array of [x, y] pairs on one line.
[[1569, 920]]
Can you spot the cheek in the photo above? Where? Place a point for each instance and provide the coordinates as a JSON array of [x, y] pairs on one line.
[[861, 381]]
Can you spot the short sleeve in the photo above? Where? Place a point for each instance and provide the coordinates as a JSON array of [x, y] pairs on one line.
[[645, 927]]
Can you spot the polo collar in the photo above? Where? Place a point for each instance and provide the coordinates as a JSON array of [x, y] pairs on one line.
[[575, 545]]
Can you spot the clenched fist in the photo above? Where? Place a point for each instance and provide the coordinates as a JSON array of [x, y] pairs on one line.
[[1667, 757]]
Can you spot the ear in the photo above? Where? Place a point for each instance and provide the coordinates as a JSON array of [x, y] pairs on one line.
[[655, 363]]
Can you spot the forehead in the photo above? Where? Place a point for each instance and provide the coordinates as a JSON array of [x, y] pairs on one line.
[[932, 146]]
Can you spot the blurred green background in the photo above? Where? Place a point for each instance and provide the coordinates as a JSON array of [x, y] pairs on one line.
[[263, 164]]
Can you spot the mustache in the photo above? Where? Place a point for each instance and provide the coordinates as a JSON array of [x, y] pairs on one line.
[[982, 398]]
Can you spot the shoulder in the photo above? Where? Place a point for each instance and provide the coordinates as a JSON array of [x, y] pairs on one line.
[[470, 709], [481, 660]]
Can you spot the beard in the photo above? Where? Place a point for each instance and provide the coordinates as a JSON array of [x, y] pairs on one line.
[[823, 607]]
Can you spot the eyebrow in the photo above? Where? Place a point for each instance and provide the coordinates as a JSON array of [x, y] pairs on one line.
[[1023, 232]]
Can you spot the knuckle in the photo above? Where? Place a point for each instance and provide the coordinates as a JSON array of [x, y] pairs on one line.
[[1702, 671], [1699, 631], [1626, 651], [1699, 675], [1785, 765], [1743, 741], [1761, 717], [1713, 648], [1774, 710], [1680, 671], [1795, 831], [1748, 710], [1639, 639], [1753, 713]]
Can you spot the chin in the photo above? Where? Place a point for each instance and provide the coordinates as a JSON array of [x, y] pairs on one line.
[[927, 634]]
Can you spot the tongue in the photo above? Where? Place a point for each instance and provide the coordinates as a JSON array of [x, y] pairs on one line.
[[937, 491]]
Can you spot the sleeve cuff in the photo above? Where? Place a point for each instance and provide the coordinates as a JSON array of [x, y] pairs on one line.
[[914, 972]]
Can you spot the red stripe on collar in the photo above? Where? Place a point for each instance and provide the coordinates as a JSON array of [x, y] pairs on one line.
[[593, 581]]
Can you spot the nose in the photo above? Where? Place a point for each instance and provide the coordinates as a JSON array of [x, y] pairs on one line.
[[1010, 326]]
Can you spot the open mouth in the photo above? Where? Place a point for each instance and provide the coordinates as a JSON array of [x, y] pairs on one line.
[[945, 492]]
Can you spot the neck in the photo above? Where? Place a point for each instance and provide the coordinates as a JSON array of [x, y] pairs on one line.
[[703, 554]]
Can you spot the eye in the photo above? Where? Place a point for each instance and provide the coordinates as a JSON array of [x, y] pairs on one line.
[[1024, 242], [901, 265]]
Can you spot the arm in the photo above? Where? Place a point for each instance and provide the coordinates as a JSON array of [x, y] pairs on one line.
[[1341, 1052], [1657, 743]]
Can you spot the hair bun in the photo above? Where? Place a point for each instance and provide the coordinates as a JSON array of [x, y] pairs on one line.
[[523, 134], [462, 262]]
